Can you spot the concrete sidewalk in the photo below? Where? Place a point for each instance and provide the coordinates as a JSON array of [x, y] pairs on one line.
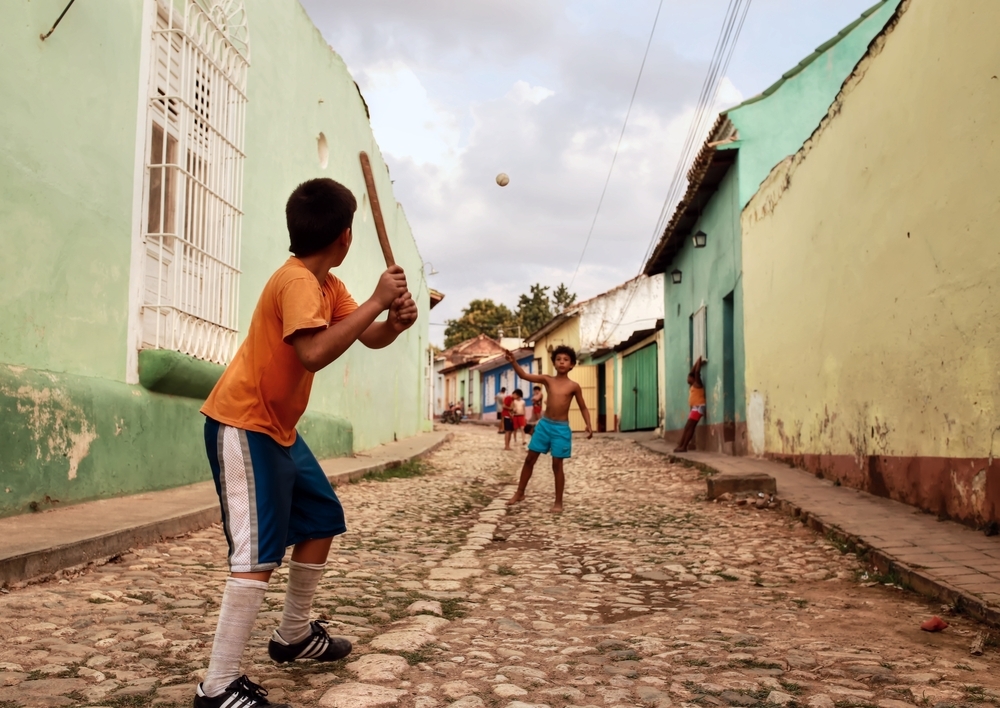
[[942, 559], [33, 545]]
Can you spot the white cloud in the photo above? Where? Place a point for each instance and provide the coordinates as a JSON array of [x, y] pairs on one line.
[[406, 122], [523, 92], [538, 89]]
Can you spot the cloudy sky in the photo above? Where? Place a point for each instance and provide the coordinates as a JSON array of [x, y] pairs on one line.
[[460, 90]]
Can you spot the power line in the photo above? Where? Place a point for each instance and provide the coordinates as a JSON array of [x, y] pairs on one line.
[[729, 34], [724, 46], [621, 135]]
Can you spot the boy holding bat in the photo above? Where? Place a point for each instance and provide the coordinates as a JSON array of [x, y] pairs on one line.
[[272, 490]]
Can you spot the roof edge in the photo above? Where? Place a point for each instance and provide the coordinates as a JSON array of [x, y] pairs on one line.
[[809, 59], [722, 132]]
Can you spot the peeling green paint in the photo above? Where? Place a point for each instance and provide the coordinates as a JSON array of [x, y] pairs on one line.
[[72, 438]]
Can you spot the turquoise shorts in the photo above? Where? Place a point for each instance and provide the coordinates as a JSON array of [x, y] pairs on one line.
[[552, 437]]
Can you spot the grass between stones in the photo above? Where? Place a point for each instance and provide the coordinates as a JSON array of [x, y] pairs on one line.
[[977, 694], [413, 468], [421, 656], [753, 664]]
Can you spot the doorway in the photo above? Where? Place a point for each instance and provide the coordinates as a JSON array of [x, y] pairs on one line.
[[640, 390]]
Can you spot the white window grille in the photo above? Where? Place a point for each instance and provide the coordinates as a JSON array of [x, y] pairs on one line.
[[194, 177], [508, 381], [699, 345]]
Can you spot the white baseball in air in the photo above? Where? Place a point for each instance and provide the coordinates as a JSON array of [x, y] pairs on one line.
[[502, 179]]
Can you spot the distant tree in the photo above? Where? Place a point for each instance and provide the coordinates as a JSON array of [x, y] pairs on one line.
[[480, 317], [562, 298], [534, 309]]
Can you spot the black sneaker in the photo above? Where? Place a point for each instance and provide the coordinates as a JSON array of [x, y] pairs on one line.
[[241, 693], [319, 646]]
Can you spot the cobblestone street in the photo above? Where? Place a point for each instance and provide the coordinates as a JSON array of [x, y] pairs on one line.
[[640, 594]]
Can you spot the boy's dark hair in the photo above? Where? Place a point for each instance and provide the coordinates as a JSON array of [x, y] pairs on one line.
[[317, 213], [503, 389], [519, 392], [538, 388], [563, 349]]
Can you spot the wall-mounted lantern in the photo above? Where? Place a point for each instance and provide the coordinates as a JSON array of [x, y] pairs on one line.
[[675, 276], [699, 239]]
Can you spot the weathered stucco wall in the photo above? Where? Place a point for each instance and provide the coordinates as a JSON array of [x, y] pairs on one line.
[[69, 438], [72, 428], [870, 260]]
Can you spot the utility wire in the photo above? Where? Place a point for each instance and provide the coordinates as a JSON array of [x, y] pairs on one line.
[[621, 135], [728, 35], [724, 47]]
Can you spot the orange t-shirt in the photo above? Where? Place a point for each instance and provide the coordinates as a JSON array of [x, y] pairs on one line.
[[696, 396], [266, 388]]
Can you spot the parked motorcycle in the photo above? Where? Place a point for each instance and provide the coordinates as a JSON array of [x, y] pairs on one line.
[[453, 417]]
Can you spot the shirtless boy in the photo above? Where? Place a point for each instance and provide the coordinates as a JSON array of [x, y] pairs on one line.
[[552, 434], [536, 404]]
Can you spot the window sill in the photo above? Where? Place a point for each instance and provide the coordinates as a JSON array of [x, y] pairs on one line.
[[177, 374]]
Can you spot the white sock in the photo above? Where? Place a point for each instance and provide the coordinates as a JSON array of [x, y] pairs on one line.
[[302, 581], [240, 604]]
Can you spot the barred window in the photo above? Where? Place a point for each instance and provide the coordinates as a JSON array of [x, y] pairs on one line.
[[194, 178]]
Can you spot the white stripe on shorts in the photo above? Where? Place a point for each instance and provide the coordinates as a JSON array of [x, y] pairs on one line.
[[238, 498]]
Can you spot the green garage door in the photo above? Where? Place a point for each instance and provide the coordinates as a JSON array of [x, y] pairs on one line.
[[640, 390]]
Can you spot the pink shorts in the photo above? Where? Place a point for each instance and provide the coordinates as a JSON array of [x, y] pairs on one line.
[[697, 413]]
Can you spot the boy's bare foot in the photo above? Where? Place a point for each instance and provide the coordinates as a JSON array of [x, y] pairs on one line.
[[556, 509], [679, 449], [506, 448], [515, 499]]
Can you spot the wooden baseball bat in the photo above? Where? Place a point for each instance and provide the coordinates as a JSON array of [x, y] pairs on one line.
[[383, 237]]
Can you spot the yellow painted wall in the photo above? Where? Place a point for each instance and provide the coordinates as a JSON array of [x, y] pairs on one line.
[[567, 333], [586, 376], [872, 257]]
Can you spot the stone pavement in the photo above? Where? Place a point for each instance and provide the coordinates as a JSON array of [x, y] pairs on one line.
[[32, 545], [940, 558], [640, 594]]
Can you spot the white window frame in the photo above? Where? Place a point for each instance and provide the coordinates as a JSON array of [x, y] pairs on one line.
[[699, 334], [187, 209]]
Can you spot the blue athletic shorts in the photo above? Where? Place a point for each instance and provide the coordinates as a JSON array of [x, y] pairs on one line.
[[552, 437], [272, 496]]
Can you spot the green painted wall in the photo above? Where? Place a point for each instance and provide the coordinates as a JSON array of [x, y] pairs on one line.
[[775, 126], [70, 438], [297, 88], [67, 152], [67, 146], [709, 274]]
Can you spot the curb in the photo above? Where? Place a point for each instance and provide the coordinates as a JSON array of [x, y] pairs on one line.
[[909, 577], [375, 468], [36, 566], [884, 562]]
